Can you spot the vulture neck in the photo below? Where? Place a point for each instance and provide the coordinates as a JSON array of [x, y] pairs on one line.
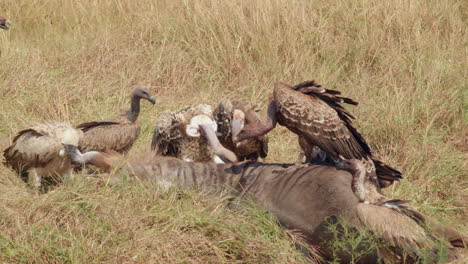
[[363, 188], [271, 119], [132, 114]]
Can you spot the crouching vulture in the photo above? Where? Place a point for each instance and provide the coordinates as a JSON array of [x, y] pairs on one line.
[[4, 23], [178, 134], [305, 200], [317, 116], [117, 134], [37, 153], [231, 117]]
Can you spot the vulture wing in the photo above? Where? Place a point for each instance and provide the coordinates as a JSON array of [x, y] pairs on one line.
[[396, 229], [108, 135], [90, 125], [31, 148], [317, 114]]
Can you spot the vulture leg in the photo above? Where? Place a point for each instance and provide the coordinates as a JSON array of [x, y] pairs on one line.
[[224, 154], [34, 179], [68, 176]]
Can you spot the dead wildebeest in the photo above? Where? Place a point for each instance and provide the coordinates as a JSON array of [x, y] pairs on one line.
[[306, 200]]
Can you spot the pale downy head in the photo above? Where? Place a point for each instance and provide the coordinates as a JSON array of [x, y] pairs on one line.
[[193, 129], [4, 23], [237, 124], [143, 93]]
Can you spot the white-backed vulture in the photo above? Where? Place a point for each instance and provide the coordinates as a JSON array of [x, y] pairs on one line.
[[38, 153], [305, 200], [231, 117], [4, 23], [178, 134], [399, 226], [316, 115], [116, 134]]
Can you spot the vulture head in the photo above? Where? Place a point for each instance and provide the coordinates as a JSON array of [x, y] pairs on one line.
[[193, 129], [250, 130], [143, 93], [4, 23], [350, 165], [70, 137]]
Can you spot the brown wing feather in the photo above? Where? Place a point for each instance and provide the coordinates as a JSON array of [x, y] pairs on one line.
[[395, 228], [318, 116], [251, 148], [117, 137], [31, 148]]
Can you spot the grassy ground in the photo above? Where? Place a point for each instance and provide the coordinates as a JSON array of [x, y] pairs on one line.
[[404, 61]]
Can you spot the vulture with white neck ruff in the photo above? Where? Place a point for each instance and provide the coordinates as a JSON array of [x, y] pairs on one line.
[[180, 134], [117, 134], [38, 152], [231, 117], [4, 23], [317, 116]]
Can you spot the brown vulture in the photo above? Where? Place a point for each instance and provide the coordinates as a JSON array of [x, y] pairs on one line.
[[179, 134], [37, 152], [231, 117], [316, 115], [117, 134], [4, 23]]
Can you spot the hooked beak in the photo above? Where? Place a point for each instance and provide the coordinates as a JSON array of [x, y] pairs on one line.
[[152, 100], [5, 24]]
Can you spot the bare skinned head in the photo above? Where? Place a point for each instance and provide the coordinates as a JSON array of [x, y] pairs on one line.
[[143, 93], [350, 165], [4, 23]]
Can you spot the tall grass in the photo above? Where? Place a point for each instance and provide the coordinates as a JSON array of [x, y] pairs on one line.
[[404, 61]]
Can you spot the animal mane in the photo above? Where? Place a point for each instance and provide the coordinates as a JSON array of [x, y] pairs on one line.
[[330, 97]]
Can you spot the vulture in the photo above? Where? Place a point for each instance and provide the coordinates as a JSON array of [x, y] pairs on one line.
[[317, 116], [38, 153], [4, 23], [178, 134], [117, 134], [401, 227], [231, 117]]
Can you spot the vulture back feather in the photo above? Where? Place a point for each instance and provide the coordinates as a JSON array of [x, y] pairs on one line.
[[317, 115], [177, 134], [225, 114], [39, 151], [116, 134]]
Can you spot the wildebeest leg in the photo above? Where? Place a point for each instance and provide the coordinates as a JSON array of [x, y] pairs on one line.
[[34, 179]]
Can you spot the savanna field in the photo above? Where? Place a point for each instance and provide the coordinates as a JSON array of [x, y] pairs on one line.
[[405, 62]]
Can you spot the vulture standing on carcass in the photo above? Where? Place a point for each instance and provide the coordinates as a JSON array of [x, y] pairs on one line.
[[317, 116], [179, 134], [231, 117], [38, 152], [116, 134], [4, 23]]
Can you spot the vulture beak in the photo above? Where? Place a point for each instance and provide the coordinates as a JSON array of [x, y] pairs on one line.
[[152, 100], [340, 164], [5, 24]]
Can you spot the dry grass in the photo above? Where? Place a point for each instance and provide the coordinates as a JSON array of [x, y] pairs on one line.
[[404, 61]]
